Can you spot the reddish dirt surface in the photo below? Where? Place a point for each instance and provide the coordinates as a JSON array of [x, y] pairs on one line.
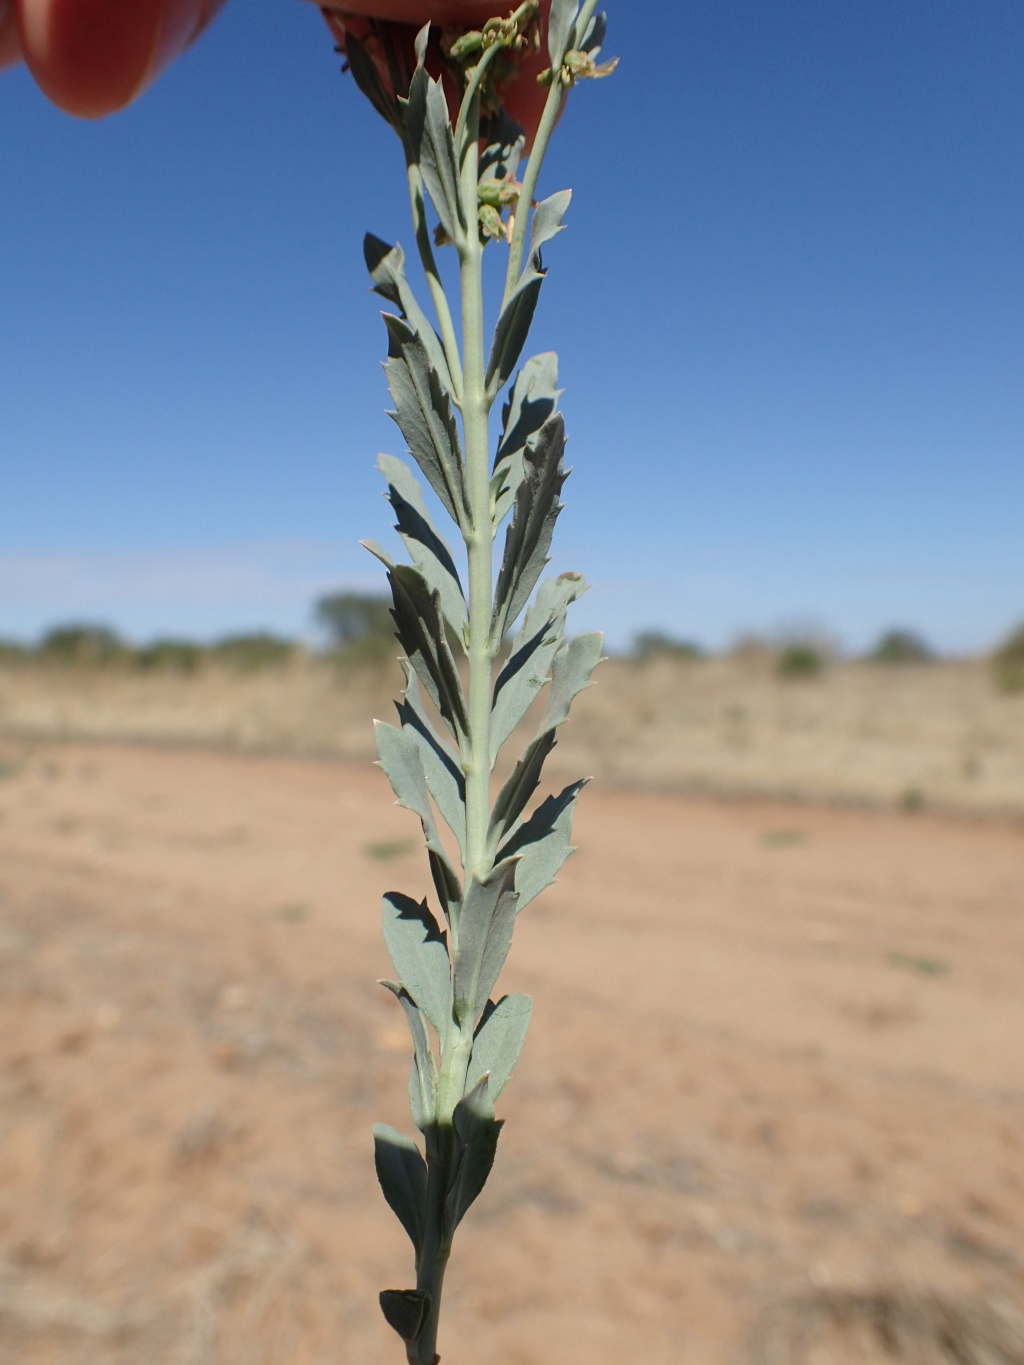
[[771, 1107]]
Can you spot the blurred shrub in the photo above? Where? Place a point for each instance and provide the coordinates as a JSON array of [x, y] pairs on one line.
[[1008, 662], [358, 626], [799, 660], [76, 645], [250, 652], [655, 644], [171, 656], [12, 652], [901, 647]]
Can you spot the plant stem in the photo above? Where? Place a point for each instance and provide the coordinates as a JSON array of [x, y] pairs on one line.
[[474, 401], [479, 541], [433, 1257], [475, 407], [472, 90]]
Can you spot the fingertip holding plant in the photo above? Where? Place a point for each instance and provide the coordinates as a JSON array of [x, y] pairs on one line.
[[442, 94], [10, 47], [93, 57]]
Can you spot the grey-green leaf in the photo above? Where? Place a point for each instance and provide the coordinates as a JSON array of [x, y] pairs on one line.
[[419, 627], [543, 843], [513, 328], [477, 1132], [402, 1173], [386, 265], [433, 146], [560, 26], [518, 788], [533, 400], [486, 923], [399, 756], [423, 411], [570, 674], [504, 485], [500, 158], [548, 221], [419, 949], [428, 549], [528, 667], [593, 40], [499, 1041], [406, 1310], [423, 1076], [442, 770], [528, 539]]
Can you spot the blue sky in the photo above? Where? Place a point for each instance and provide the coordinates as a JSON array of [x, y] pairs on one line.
[[788, 309]]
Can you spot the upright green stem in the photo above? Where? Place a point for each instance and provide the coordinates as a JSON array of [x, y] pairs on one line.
[[470, 392], [475, 409]]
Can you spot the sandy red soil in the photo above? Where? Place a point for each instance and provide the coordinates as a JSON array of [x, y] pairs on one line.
[[771, 1106]]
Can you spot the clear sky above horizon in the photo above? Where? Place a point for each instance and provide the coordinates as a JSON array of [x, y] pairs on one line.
[[788, 308]]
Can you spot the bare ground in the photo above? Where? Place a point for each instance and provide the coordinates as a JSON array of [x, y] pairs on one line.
[[941, 735], [771, 1108]]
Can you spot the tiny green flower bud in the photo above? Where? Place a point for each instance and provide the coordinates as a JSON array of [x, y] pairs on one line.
[[491, 225]]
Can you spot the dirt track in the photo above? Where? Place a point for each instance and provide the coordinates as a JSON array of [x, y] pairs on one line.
[[771, 1107]]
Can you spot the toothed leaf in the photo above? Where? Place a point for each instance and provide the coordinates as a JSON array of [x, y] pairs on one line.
[[419, 949], [498, 1042], [528, 538], [433, 146], [423, 412], [570, 674], [420, 630], [533, 400], [548, 221], [428, 549], [513, 328], [542, 844], [505, 483], [386, 265], [400, 759], [485, 934], [442, 770], [528, 667]]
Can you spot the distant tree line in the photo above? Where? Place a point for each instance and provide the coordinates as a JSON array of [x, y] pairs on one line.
[[356, 628], [807, 657], [90, 646]]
